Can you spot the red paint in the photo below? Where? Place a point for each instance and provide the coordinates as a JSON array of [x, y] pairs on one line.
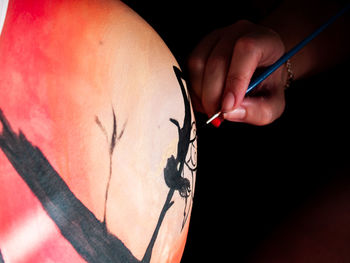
[[217, 121], [39, 50]]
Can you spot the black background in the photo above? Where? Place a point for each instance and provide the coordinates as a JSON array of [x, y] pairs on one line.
[[251, 179]]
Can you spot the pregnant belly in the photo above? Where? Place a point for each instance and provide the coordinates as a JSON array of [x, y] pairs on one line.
[[97, 137]]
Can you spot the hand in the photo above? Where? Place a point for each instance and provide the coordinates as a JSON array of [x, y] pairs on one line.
[[222, 65]]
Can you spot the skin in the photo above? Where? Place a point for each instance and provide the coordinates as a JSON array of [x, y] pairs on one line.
[[222, 64], [65, 64]]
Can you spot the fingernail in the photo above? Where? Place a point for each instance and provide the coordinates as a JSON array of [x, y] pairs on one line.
[[228, 102], [238, 113]]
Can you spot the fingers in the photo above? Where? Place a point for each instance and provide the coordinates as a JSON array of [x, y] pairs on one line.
[[245, 59], [215, 76], [221, 68], [250, 51], [197, 64], [260, 110], [208, 66]]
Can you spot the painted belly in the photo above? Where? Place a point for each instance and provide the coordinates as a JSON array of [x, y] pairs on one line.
[[97, 137]]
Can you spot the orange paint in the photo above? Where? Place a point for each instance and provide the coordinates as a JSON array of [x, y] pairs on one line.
[[179, 249]]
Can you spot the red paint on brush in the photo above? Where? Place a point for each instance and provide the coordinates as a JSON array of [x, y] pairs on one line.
[[217, 121]]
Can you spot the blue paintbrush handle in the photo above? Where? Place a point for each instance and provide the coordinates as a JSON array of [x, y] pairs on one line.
[[294, 50]]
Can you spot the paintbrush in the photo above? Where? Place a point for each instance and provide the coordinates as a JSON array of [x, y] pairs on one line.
[[268, 71]]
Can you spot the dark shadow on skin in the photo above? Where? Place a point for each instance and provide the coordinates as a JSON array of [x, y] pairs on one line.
[[77, 224]]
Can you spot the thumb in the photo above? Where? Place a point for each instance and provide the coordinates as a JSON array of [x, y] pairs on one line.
[[261, 110]]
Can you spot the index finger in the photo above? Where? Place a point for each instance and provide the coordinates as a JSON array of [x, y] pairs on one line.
[[250, 52], [245, 59]]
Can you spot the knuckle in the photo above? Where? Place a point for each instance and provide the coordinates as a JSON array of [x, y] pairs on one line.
[[266, 116], [247, 44], [216, 61], [196, 64], [238, 78], [237, 82]]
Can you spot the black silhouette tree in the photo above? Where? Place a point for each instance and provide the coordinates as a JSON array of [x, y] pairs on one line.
[[89, 236], [111, 143]]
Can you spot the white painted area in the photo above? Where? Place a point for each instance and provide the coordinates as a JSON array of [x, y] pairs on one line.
[[27, 237], [3, 11]]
